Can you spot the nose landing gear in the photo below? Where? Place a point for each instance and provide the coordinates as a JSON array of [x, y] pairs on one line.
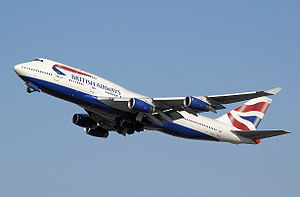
[[31, 87]]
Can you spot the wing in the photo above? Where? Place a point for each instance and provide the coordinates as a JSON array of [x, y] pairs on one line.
[[167, 108], [215, 101], [232, 98], [259, 134]]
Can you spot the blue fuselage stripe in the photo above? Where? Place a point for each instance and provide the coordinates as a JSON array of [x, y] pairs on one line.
[[72, 95], [185, 132]]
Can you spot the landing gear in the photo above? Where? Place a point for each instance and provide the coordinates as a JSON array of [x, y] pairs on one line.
[[128, 127], [31, 87], [30, 90], [130, 131], [125, 131]]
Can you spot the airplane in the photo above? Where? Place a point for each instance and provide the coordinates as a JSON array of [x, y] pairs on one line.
[[110, 107]]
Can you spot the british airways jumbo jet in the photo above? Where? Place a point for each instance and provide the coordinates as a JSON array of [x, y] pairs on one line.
[[111, 107]]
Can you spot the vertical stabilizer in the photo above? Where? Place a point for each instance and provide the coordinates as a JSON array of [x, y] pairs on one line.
[[248, 115]]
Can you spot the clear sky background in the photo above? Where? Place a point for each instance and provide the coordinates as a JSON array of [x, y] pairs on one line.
[[156, 48]]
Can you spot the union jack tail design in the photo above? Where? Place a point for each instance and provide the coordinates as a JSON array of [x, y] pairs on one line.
[[248, 115]]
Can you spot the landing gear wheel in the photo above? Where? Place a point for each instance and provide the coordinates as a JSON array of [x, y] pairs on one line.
[[130, 131], [30, 90]]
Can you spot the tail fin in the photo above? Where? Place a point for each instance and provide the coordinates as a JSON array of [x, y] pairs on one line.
[[248, 115]]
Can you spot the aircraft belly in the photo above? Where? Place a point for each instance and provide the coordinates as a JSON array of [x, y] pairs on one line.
[[185, 132], [72, 95]]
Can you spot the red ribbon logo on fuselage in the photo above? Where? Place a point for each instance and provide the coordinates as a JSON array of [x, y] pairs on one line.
[[56, 68]]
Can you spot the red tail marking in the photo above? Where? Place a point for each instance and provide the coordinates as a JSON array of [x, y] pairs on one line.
[[236, 123], [257, 141], [260, 107]]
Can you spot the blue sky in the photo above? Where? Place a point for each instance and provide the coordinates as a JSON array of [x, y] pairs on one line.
[[156, 48]]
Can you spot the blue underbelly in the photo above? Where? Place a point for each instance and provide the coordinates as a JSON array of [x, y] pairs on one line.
[[185, 132], [72, 95]]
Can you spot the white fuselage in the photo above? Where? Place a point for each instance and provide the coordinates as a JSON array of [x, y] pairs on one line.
[[67, 83]]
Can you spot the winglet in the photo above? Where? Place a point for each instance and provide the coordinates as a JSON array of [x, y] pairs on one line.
[[273, 91]]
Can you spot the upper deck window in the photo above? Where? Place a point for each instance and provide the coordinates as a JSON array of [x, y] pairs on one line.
[[38, 60]]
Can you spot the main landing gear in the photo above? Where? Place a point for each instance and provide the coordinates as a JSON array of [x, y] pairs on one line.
[[128, 127]]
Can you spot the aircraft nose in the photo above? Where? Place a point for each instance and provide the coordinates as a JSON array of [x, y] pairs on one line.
[[17, 69]]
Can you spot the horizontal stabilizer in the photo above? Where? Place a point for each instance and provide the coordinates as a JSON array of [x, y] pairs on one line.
[[259, 134]]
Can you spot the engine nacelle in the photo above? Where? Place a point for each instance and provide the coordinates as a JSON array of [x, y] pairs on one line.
[[84, 120], [139, 105], [194, 103], [97, 132]]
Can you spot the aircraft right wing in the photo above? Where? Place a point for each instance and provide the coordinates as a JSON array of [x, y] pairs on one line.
[[215, 101], [232, 98], [167, 107], [191, 104]]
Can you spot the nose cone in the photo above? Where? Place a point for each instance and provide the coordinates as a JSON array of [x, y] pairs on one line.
[[17, 69]]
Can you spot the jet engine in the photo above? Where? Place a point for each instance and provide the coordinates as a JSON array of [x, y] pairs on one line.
[[197, 104], [139, 105], [84, 120], [97, 132]]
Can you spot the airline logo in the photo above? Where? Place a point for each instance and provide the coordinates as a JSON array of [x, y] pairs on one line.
[[249, 115], [57, 68], [108, 89]]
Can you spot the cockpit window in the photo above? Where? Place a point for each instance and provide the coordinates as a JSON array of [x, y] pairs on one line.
[[38, 60]]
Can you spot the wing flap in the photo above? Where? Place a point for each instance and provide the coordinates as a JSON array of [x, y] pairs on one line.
[[259, 134], [169, 102]]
